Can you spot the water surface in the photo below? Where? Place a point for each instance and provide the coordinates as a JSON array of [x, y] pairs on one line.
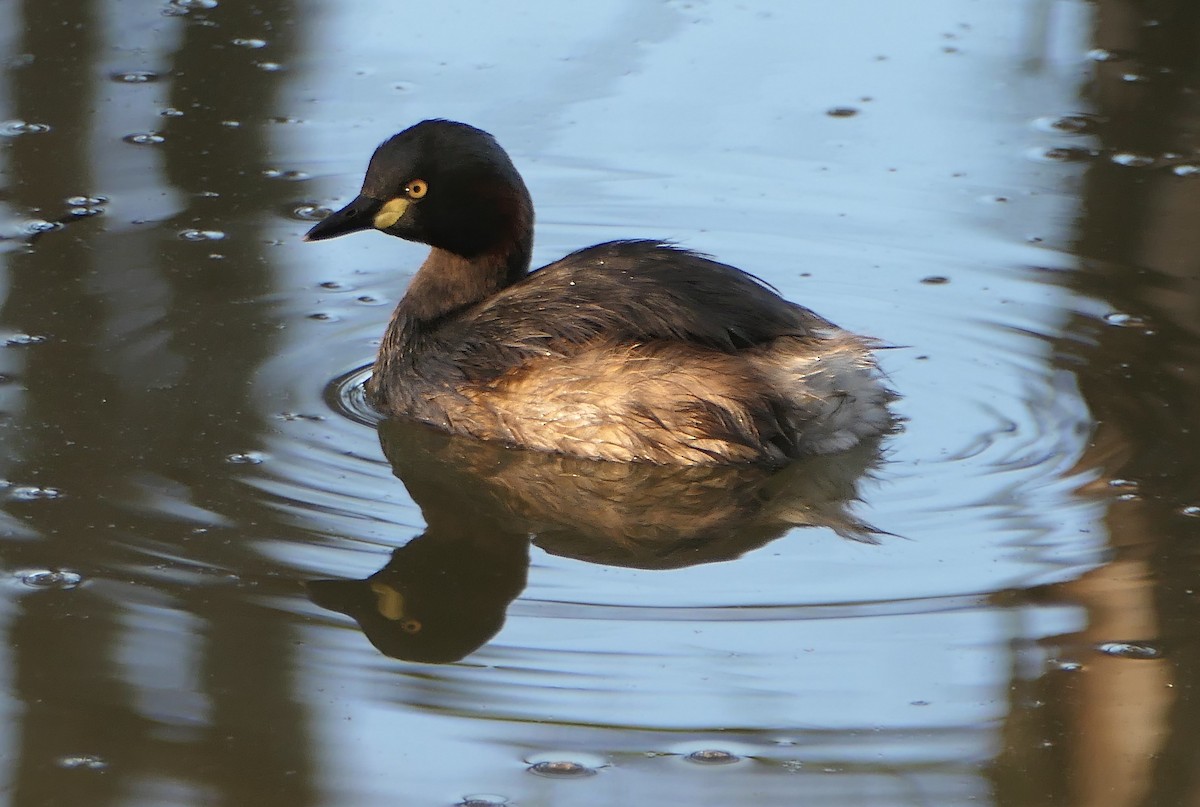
[[226, 584]]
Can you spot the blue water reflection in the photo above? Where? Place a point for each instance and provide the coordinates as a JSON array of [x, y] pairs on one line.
[[896, 169]]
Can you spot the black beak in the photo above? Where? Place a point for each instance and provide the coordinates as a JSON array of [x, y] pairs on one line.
[[358, 215]]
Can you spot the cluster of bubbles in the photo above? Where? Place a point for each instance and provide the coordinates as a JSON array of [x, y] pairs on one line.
[[144, 138], [561, 767], [1134, 72], [58, 579], [21, 339], [310, 212], [201, 235], [288, 176], [135, 77], [246, 458], [33, 493], [82, 207], [90, 762], [1143, 651], [181, 8], [15, 128]]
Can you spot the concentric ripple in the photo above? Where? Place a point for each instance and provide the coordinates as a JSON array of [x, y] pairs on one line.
[[544, 580], [988, 429], [347, 396]]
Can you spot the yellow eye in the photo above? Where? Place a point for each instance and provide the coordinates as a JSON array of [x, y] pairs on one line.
[[416, 189]]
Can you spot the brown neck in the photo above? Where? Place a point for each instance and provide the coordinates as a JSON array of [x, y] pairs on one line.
[[447, 282]]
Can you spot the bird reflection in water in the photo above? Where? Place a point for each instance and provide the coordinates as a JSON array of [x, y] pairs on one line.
[[444, 594]]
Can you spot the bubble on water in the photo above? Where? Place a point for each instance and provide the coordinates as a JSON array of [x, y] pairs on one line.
[[135, 77], [21, 339], [293, 416], [994, 200], [935, 280], [14, 128], [61, 579], [1130, 650], [283, 119], [38, 226], [84, 212], [1191, 511], [712, 756], [91, 762], [82, 201], [1185, 170], [310, 212], [1108, 55], [1128, 485], [1064, 665], [185, 6], [246, 458], [144, 138], [287, 176], [1135, 78], [1059, 154], [269, 67], [33, 493], [252, 44], [483, 800], [1131, 159], [201, 235], [231, 124], [1066, 124], [332, 285], [561, 769], [172, 112], [321, 316], [1123, 320], [841, 112]]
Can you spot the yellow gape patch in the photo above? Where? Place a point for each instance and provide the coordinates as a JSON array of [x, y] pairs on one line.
[[388, 601], [390, 213], [390, 604]]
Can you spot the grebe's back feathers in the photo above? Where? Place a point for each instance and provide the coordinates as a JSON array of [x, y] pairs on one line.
[[622, 292]]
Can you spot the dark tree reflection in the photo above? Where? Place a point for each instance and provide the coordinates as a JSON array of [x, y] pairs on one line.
[[1125, 730], [142, 385]]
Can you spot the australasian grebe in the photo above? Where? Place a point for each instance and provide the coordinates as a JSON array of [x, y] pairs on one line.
[[626, 351]]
